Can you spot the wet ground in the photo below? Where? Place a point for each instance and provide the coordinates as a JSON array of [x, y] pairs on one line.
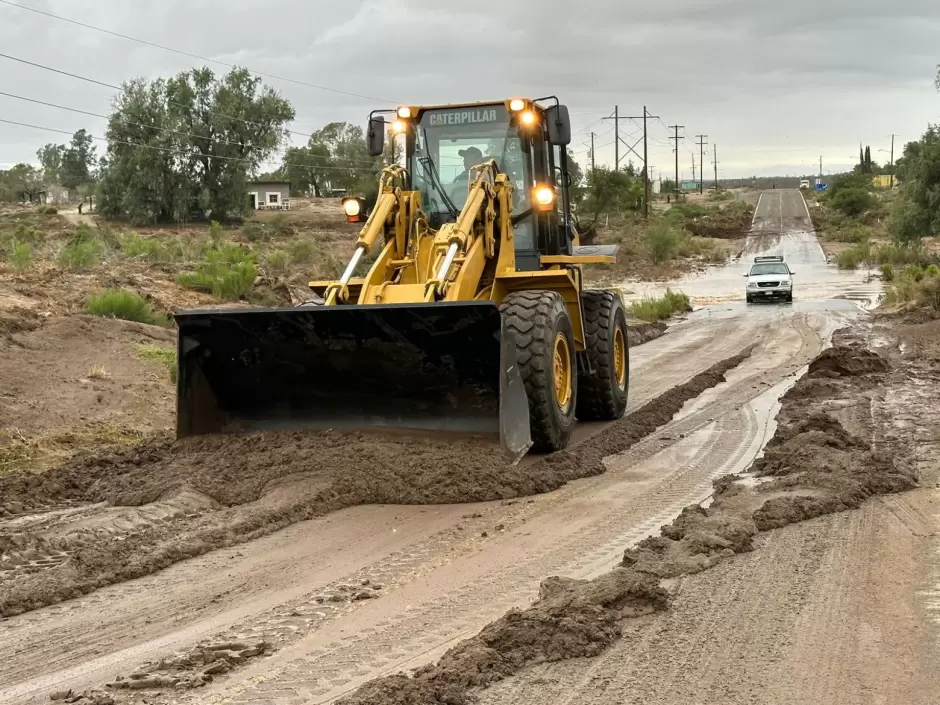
[[312, 612]]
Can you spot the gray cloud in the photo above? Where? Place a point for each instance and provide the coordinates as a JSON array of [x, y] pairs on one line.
[[774, 85]]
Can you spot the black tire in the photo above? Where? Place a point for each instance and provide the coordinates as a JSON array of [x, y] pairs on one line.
[[789, 298], [537, 318], [749, 299], [603, 395]]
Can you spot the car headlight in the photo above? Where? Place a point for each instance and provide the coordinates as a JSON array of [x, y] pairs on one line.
[[786, 285], [752, 285]]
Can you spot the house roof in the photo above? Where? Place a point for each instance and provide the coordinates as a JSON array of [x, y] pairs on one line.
[[269, 183]]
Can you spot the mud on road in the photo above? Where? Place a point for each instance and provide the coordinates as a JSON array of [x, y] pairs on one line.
[[813, 466], [139, 510]]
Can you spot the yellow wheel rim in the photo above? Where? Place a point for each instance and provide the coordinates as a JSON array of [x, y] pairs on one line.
[[620, 358], [561, 365]]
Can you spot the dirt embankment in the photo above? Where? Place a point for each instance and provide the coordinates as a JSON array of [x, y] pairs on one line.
[[133, 512], [812, 466]]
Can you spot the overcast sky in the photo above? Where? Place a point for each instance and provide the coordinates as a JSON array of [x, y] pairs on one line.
[[773, 84]]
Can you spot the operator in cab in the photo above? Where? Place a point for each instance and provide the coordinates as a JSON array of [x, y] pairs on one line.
[[471, 157]]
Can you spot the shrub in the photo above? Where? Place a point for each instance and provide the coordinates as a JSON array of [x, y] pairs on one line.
[[77, 255], [227, 274], [47, 210], [22, 255], [126, 305], [852, 201], [659, 309], [150, 249], [887, 272], [216, 235], [850, 231], [276, 262], [301, 251], [853, 256], [279, 227], [254, 232], [664, 239], [162, 356]]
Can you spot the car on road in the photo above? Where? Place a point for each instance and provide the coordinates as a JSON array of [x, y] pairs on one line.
[[770, 278], [804, 184]]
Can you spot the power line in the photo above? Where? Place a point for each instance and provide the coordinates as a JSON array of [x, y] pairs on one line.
[[140, 124], [124, 90], [189, 54], [181, 152]]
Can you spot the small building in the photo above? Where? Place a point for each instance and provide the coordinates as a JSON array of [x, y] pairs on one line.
[[54, 196], [269, 195]]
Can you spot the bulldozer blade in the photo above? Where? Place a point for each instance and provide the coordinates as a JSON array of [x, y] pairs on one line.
[[440, 367]]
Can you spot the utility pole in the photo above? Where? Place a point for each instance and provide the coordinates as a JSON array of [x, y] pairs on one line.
[[715, 163], [646, 168], [616, 119], [675, 129], [892, 158], [820, 168], [592, 154], [693, 167], [701, 161]]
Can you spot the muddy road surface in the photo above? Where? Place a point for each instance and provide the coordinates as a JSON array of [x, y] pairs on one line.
[[311, 612]]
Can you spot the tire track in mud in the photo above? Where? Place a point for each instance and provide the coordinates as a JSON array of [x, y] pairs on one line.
[[640, 423], [329, 665]]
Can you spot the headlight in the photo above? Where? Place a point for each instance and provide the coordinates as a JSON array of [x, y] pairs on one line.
[[352, 206], [544, 197], [528, 118], [752, 285], [786, 285]]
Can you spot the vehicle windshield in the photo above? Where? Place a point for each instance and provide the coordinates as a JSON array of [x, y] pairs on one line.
[[769, 268], [448, 142]]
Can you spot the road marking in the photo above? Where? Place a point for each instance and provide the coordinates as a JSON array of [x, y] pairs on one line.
[[812, 227], [754, 219]]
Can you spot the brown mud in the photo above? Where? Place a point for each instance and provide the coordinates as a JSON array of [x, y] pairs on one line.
[[812, 466], [218, 491]]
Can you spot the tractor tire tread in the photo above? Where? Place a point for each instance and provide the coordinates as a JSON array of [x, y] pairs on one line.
[[597, 399], [529, 314]]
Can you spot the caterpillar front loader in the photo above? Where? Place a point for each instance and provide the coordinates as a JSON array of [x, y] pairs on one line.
[[472, 317]]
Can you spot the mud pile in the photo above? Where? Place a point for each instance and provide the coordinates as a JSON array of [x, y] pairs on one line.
[[811, 467], [248, 486], [571, 619]]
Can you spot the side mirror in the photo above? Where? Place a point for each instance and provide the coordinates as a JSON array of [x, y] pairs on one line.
[[375, 137], [792, 274], [559, 125], [744, 275]]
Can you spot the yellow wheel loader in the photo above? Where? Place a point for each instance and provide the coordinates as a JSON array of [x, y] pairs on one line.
[[472, 317]]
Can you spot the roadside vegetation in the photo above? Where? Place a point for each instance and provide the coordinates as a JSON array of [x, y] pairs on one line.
[[126, 305], [654, 309]]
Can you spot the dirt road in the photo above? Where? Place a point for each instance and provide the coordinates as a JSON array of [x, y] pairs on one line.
[[374, 590]]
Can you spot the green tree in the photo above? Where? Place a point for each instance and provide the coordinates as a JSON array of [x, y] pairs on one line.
[[78, 161], [349, 166], [189, 143], [22, 182], [917, 211], [611, 192], [307, 169], [50, 158]]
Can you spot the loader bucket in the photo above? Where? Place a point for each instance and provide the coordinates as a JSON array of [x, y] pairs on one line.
[[440, 367]]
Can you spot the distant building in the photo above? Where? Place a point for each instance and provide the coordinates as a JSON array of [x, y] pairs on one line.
[[55, 196], [883, 181], [273, 195]]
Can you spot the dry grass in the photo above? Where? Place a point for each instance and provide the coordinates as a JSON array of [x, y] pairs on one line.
[[98, 372], [19, 453]]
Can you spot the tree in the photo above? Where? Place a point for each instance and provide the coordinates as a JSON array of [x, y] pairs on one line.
[[50, 157], [611, 191], [349, 166], [188, 143], [307, 169], [917, 211], [23, 182], [868, 160], [78, 161]]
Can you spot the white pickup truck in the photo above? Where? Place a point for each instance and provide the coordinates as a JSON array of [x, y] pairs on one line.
[[804, 184]]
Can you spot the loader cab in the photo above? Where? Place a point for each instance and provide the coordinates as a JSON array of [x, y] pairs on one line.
[[528, 144]]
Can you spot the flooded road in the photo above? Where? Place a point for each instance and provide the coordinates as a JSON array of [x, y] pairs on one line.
[[782, 226]]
